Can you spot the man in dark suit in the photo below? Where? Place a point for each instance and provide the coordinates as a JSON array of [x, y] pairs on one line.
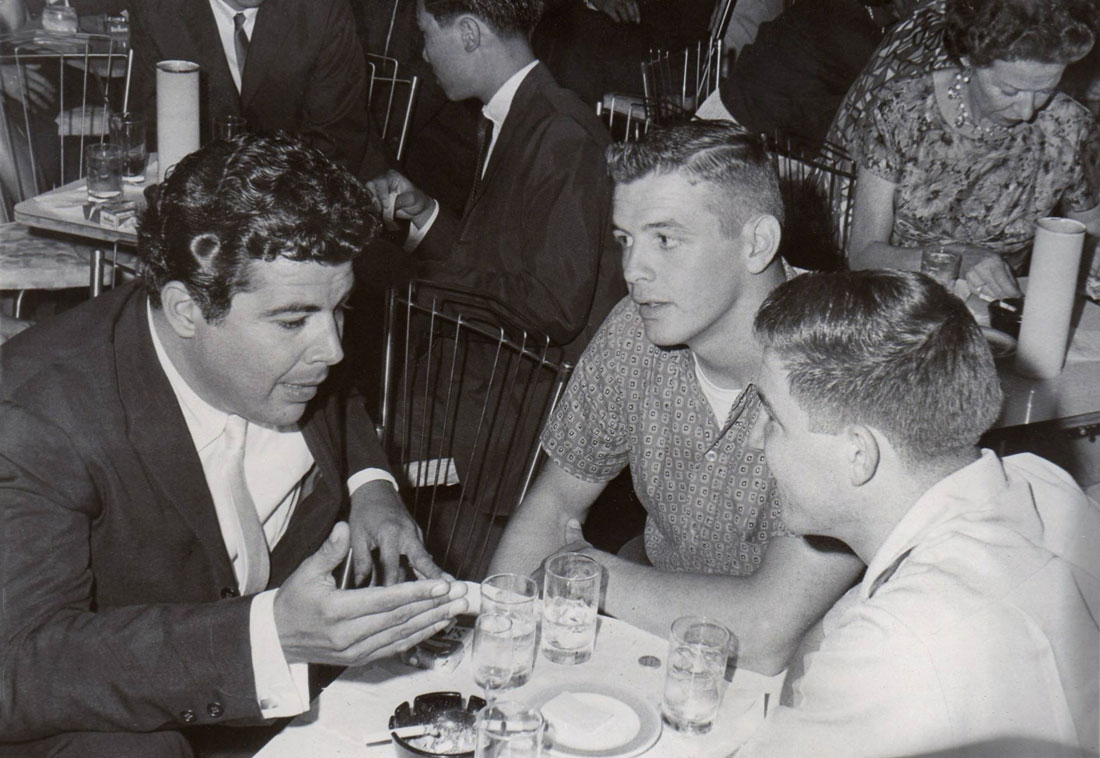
[[535, 233], [173, 459], [295, 65]]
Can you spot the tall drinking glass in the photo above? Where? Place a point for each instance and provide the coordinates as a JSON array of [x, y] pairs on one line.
[[228, 127], [516, 596], [128, 132], [103, 171], [509, 730], [571, 599], [698, 649], [493, 652]]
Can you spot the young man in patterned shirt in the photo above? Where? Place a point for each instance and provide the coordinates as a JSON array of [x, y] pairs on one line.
[[666, 387]]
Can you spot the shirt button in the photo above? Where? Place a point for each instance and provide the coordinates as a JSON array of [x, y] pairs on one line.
[[215, 709], [711, 456], [187, 716], [228, 592]]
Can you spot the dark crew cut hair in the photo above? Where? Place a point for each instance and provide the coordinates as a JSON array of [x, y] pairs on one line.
[[1045, 31], [706, 151], [253, 198], [506, 17], [890, 349]]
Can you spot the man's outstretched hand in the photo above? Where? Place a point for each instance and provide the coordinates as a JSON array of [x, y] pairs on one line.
[[318, 623]]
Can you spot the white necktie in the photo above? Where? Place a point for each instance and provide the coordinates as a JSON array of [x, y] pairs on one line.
[[253, 551]]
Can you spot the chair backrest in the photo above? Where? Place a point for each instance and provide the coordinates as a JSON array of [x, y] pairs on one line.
[[466, 390], [625, 116], [43, 147], [818, 186], [391, 99]]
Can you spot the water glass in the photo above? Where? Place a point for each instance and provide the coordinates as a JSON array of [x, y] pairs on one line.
[[516, 596], [492, 652], [228, 127], [509, 730], [570, 602], [695, 679], [128, 132], [103, 171], [941, 264]]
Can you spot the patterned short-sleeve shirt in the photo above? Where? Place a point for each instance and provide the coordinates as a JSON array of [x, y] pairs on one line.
[[711, 500], [986, 190]]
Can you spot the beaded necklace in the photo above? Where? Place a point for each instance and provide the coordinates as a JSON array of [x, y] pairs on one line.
[[962, 113]]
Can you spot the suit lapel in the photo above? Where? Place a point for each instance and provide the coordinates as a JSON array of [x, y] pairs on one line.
[[273, 22], [158, 432], [198, 21], [524, 93]]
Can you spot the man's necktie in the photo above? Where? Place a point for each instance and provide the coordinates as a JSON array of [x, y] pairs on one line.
[[240, 41], [484, 139], [253, 551]]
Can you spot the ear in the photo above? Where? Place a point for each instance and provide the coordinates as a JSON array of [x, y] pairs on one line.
[[762, 233], [469, 30], [863, 454], [181, 310]]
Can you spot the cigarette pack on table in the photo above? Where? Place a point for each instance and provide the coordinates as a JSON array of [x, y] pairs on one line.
[[117, 214], [443, 651]]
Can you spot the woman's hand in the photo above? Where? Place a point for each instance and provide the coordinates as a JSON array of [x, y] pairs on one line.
[[986, 272]]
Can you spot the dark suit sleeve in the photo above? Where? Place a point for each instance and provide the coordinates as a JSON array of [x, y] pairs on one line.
[[363, 449], [563, 213], [66, 665], [335, 117]]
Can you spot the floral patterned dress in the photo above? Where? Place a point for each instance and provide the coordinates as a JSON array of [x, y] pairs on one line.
[[982, 189]]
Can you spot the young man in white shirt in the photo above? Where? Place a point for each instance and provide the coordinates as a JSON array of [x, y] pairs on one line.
[[973, 631]]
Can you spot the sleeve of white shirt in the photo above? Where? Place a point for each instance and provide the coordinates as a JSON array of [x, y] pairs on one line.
[[415, 234], [359, 478], [282, 689]]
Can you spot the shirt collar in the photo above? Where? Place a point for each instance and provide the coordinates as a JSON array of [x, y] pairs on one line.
[[204, 421], [972, 488], [496, 110], [227, 11]]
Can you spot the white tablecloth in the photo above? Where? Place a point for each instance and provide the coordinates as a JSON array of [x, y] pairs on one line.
[[361, 700]]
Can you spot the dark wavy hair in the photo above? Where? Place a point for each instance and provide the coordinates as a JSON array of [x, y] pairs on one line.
[[507, 17], [1046, 31], [253, 198], [890, 349], [712, 151]]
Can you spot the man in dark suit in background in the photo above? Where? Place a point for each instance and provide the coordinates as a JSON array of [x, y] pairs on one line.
[[294, 65], [535, 233], [173, 459]]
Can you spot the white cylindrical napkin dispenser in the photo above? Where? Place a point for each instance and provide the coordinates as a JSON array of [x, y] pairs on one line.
[[1048, 306], [177, 113]]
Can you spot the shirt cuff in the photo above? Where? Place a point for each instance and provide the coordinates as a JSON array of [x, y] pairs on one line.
[[416, 235], [359, 478], [282, 689]]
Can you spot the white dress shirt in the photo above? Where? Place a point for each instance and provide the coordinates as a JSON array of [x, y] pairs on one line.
[[975, 625], [223, 17], [496, 110], [276, 463]]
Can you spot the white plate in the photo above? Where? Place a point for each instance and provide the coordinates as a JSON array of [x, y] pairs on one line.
[[631, 725]]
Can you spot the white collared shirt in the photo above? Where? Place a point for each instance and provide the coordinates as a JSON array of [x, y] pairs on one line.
[[223, 17], [275, 463], [496, 110], [974, 625]]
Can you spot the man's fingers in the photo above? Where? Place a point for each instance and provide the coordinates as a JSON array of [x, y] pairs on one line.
[[421, 561], [404, 635], [351, 604], [389, 555], [330, 554]]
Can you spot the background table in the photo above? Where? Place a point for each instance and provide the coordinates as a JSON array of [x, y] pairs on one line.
[[361, 700], [62, 210]]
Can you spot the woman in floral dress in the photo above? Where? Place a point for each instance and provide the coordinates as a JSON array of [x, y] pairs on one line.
[[969, 157]]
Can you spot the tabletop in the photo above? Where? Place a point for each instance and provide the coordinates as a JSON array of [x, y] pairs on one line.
[[361, 700], [62, 210], [1072, 399]]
